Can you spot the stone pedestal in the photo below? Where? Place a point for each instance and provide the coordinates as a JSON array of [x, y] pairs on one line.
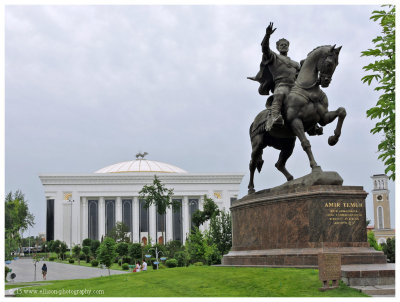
[[292, 225]]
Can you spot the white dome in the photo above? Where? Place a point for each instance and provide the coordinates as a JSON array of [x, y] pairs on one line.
[[141, 165]]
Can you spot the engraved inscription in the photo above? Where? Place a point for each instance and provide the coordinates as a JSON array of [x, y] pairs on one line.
[[344, 212], [329, 266]]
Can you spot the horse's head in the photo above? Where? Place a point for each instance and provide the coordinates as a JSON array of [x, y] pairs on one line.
[[327, 64]]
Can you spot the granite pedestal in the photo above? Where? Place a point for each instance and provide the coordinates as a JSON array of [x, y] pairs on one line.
[[290, 226]]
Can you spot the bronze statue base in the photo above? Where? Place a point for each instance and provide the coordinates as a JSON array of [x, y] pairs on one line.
[[289, 226]]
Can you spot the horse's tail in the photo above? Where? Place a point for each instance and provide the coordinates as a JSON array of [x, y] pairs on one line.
[[258, 130]]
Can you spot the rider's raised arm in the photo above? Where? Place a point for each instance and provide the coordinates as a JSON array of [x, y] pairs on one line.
[[265, 42]]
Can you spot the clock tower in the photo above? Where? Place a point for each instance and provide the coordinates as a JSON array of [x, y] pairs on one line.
[[380, 195]]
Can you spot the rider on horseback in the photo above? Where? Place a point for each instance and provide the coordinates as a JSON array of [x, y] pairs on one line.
[[277, 74]]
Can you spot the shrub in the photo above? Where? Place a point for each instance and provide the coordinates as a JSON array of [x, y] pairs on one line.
[[82, 256], [52, 258], [182, 257], [94, 263], [212, 255], [161, 266], [198, 264], [125, 266], [171, 263], [126, 260], [172, 247], [372, 241], [196, 246], [389, 249], [119, 262], [7, 270], [71, 260]]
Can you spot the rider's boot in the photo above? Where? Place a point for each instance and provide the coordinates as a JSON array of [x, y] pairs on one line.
[[276, 112]]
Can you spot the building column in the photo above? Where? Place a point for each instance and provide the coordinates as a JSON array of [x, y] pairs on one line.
[[135, 220], [84, 218], [153, 224], [118, 209], [102, 217], [168, 224], [76, 222], [185, 218], [201, 207]]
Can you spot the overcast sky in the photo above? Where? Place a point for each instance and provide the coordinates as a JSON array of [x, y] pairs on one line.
[[90, 86]]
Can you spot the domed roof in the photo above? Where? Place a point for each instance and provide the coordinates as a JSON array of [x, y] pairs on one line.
[[141, 165]]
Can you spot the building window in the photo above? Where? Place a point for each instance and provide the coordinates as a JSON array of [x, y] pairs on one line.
[[193, 206], [50, 220], [177, 221], [144, 217], [380, 218], [93, 219], [160, 222], [110, 215], [127, 213], [233, 199]]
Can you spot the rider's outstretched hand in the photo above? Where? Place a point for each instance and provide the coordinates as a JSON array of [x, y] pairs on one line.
[[270, 30]]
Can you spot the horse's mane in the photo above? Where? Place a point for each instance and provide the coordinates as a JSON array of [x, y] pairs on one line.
[[317, 48]]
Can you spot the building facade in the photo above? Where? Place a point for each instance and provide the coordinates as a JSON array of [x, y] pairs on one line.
[[89, 205], [380, 196]]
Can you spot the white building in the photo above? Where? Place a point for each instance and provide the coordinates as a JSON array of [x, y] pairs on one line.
[[88, 205]]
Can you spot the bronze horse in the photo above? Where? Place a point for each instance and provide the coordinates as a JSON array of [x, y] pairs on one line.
[[303, 109]]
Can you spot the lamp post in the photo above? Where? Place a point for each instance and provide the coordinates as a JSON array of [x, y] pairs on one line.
[[70, 231], [157, 252]]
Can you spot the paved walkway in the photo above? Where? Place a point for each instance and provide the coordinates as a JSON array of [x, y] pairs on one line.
[[25, 271]]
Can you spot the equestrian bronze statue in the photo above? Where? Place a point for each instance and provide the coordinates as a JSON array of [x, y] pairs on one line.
[[300, 101]]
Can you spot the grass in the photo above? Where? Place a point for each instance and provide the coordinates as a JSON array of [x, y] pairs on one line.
[[197, 281]]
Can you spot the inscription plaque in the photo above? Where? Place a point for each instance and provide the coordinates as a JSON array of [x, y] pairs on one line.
[[329, 265], [344, 212]]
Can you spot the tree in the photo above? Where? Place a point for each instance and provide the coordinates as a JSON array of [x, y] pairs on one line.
[[63, 249], [135, 251], [220, 232], [160, 196], [383, 71], [94, 245], [107, 253], [17, 220], [120, 232], [77, 253], [87, 242], [389, 249], [210, 209], [122, 249], [372, 241], [86, 251]]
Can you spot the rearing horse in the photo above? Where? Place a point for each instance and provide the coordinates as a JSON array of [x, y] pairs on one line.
[[303, 109]]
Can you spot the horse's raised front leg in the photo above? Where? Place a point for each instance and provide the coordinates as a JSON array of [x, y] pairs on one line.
[[341, 113], [298, 130]]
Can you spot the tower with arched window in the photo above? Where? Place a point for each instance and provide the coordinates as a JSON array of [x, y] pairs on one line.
[[380, 195]]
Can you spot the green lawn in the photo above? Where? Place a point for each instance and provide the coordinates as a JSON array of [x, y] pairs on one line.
[[198, 281]]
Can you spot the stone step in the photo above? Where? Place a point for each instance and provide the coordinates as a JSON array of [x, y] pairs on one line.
[[378, 290], [368, 274]]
